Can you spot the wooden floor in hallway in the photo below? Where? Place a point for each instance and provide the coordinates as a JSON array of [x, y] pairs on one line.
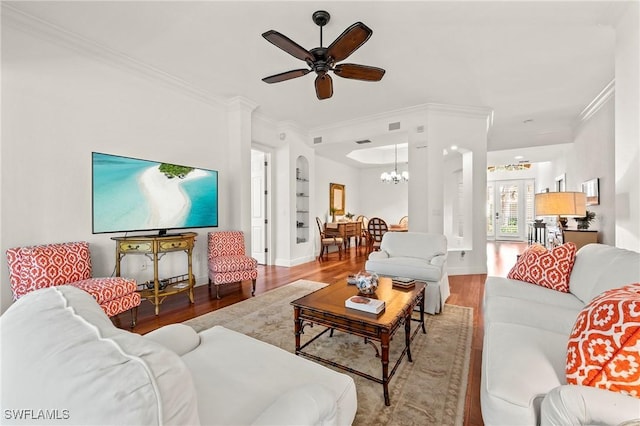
[[466, 290]]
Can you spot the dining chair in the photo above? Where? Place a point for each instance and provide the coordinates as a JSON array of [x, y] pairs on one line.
[[376, 228], [364, 234], [404, 222], [327, 241]]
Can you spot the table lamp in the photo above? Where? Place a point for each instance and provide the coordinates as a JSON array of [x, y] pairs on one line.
[[566, 204]]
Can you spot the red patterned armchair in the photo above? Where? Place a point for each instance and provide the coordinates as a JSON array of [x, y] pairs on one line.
[[228, 262], [35, 267]]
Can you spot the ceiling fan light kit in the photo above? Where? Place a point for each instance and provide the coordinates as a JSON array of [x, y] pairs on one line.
[[321, 60]]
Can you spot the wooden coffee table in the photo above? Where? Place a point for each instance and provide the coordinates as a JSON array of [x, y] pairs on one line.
[[325, 307]]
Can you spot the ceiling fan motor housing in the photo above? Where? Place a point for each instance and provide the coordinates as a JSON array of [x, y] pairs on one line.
[[320, 65], [321, 17]]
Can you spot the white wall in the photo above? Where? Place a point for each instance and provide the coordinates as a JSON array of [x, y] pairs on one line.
[[593, 157], [59, 105], [627, 130], [387, 201], [327, 172]]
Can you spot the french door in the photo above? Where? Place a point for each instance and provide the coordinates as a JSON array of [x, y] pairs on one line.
[[509, 209]]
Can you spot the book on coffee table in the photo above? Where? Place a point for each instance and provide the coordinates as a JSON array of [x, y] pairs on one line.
[[403, 282], [365, 304]]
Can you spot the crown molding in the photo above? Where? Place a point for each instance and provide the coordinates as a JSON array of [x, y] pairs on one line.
[[387, 115], [459, 110], [26, 22], [598, 102], [241, 103]]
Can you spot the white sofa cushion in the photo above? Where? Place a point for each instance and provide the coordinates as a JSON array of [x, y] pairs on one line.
[[414, 244], [100, 374], [531, 314], [411, 267], [311, 404], [520, 364], [514, 289], [247, 369], [585, 405], [599, 267], [180, 338]]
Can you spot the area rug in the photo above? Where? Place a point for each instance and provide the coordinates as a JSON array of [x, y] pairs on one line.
[[429, 391]]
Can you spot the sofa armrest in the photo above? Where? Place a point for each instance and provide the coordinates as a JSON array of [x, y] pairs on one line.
[[377, 255], [439, 260], [310, 404], [582, 405], [178, 338]]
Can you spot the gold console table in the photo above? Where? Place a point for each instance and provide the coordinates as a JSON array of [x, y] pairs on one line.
[[155, 247]]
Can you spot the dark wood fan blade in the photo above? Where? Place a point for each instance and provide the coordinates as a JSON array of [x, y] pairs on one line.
[[351, 39], [359, 72], [324, 86], [288, 45], [276, 78]]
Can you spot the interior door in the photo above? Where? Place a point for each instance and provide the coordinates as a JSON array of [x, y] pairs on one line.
[[258, 206]]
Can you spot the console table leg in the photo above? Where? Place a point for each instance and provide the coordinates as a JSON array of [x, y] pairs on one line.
[[384, 344]]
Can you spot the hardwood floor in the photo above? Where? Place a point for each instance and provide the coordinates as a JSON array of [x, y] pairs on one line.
[[466, 290]]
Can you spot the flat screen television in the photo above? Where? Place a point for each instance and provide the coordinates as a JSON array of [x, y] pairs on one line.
[[130, 194]]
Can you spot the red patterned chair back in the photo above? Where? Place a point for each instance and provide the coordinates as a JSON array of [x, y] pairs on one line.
[[32, 268], [226, 243]]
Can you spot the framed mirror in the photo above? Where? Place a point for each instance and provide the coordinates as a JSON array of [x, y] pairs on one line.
[[336, 198], [592, 189]]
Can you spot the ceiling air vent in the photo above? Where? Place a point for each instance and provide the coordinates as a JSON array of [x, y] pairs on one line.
[[420, 129], [394, 126], [363, 141], [317, 140]]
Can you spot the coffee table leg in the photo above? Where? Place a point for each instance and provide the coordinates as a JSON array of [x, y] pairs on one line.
[[384, 345], [424, 331], [407, 335], [297, 325]]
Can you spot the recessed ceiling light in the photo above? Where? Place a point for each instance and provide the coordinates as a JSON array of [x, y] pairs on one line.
[[454, 147], [518, 157]]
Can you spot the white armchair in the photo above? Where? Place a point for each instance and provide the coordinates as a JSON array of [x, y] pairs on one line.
[[416, 255]]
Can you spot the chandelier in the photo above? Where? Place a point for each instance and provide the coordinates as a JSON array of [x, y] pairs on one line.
[[394, 176]]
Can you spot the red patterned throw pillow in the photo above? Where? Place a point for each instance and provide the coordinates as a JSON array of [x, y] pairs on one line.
[[547, 268], [604, 345]]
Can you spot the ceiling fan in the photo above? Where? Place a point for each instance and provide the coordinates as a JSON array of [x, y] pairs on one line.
[[324, 59]]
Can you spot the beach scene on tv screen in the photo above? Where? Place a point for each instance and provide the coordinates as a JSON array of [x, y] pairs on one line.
[[132, 194]]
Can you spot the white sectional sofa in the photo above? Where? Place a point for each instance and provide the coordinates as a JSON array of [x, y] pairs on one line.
[[526, 331], [417, 255], [63, 362]]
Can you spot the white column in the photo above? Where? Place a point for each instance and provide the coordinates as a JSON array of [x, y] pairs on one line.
[[238, 181]]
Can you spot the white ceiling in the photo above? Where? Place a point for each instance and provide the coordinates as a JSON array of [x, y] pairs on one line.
[[538, 60]]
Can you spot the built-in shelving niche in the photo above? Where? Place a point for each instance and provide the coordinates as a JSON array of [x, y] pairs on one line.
[[303, 222]]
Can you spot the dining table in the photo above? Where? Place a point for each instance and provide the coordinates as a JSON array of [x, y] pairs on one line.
[[345, 230]]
